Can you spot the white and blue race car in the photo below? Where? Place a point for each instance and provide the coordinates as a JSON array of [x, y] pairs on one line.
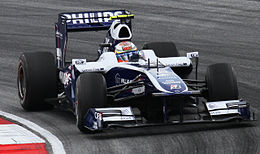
[[126, 86]]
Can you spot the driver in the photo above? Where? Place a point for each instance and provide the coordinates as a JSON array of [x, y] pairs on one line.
[[126, 51]]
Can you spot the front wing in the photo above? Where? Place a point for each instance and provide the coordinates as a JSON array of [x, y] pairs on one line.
[[220, 111]]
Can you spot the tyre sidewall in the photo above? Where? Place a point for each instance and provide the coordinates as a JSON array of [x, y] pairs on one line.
[[221, 83], [90, 93], [40, 80]]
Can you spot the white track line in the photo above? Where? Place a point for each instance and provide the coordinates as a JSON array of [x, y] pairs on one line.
[[15, 134], [57, 146]]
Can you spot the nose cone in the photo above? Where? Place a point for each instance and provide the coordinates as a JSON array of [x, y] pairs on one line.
[[169, 80]]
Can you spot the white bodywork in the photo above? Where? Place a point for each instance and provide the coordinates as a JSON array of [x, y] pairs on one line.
[[108, 61], [126, 114], [221, 107]]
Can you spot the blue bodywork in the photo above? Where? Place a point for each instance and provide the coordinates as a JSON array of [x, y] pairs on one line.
[[167, 79]]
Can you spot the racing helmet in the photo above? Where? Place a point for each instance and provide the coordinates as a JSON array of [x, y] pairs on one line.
[[120, 31], [126, 51]]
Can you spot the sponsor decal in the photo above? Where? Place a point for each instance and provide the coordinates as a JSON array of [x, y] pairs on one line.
[[98, 115], [223, 112], [175, 86], [93, 70], [125, 111], [171, 82], [65, 77], [176, 64], [211, 106], [126, 118], [119, 80], [192, 54], [165, 71], [90, 17], [59, 35], [165, 76], [177, 91], [138, 90], [79, 61], [127, 48], [58, 53]]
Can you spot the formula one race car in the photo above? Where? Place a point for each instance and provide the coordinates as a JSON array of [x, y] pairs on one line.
[[126, 86]]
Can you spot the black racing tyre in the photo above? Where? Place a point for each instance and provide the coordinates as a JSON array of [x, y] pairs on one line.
[[36, 80], [163, 49], [91, 92], [221, 82], [168, 49]]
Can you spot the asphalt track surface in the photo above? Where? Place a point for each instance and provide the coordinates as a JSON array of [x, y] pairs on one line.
[[222, 31]]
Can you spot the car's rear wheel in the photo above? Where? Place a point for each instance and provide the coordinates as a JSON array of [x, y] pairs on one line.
[[221, 82], [168, 49], [36, 80], [90, 93], [163, 49]]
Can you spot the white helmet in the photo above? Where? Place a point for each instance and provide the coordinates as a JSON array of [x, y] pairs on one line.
[[120, 31], [126, 51]]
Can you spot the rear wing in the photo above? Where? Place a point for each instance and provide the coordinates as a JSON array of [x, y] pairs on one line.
[[82, 21], [93, 20]]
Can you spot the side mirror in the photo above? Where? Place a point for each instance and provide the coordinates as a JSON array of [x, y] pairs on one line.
[[196, 56], [192, 54]]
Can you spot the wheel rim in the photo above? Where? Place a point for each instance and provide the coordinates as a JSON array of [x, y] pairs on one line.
[[21, 83]]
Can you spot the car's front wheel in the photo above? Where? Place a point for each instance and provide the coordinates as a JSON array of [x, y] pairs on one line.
[[221, 82], [90, 93]]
